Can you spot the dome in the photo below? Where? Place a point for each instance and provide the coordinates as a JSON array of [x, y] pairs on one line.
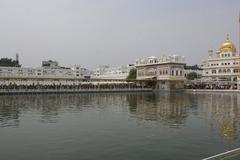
[[227, 46]]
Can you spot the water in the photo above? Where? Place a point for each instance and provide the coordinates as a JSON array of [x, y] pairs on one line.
[[119, 126]]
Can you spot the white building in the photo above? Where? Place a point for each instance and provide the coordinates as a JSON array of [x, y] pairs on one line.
[[167, 71], [222, 68], [108, 72], [75, 72]]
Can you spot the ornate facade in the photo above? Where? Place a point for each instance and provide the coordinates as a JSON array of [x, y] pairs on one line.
[[222, 68], [166, 71]]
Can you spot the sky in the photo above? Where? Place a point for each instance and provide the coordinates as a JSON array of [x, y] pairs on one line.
[[114, 32]]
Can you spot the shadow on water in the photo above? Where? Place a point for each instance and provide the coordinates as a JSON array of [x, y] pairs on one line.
[[221, 111]]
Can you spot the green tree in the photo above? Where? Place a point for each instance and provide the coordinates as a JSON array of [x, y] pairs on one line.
[[194, 67], [7, 62], [192, 76], [132, 74]]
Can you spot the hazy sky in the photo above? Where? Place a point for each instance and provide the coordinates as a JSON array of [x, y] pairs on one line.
[[114, 32]]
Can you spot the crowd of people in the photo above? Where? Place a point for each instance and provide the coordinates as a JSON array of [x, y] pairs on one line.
[[210, 86], [73, 86]]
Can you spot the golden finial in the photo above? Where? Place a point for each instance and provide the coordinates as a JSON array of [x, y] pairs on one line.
[[227, 46]]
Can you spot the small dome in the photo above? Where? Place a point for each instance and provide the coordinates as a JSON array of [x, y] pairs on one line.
[[210, 50], [227, 46]]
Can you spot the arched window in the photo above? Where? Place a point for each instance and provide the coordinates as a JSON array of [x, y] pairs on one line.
[[213, 71]]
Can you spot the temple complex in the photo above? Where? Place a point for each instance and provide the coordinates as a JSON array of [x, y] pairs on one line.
[[222, 68]]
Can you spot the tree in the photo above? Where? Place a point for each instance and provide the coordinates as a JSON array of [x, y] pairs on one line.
[[7, 62], [194, 67], [192, 76], [132, 74]]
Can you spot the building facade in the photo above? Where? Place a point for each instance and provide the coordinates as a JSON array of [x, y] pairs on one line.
[[43, 72], [167, 71], [50, 64], [222, 68], [109, 72]]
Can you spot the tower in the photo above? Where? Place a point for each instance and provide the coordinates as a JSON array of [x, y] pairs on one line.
[[17, 57]]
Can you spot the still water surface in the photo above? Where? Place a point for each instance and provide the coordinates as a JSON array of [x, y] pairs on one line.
[[119, 126]]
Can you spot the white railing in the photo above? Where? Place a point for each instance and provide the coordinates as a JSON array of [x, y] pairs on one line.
[[10, 75], [233, 154], [221, 74]]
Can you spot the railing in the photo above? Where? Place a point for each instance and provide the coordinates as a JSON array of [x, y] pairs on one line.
[[233, 154], [12, 75], [222, 74]]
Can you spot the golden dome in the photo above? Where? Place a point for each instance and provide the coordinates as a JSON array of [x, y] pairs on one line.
[[227, 46]]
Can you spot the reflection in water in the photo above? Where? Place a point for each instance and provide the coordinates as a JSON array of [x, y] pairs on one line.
[[166, 108], [221, 111], [50, 106]]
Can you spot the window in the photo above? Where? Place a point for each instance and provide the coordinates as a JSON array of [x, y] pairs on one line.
[[176, 73], [213, 71]]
